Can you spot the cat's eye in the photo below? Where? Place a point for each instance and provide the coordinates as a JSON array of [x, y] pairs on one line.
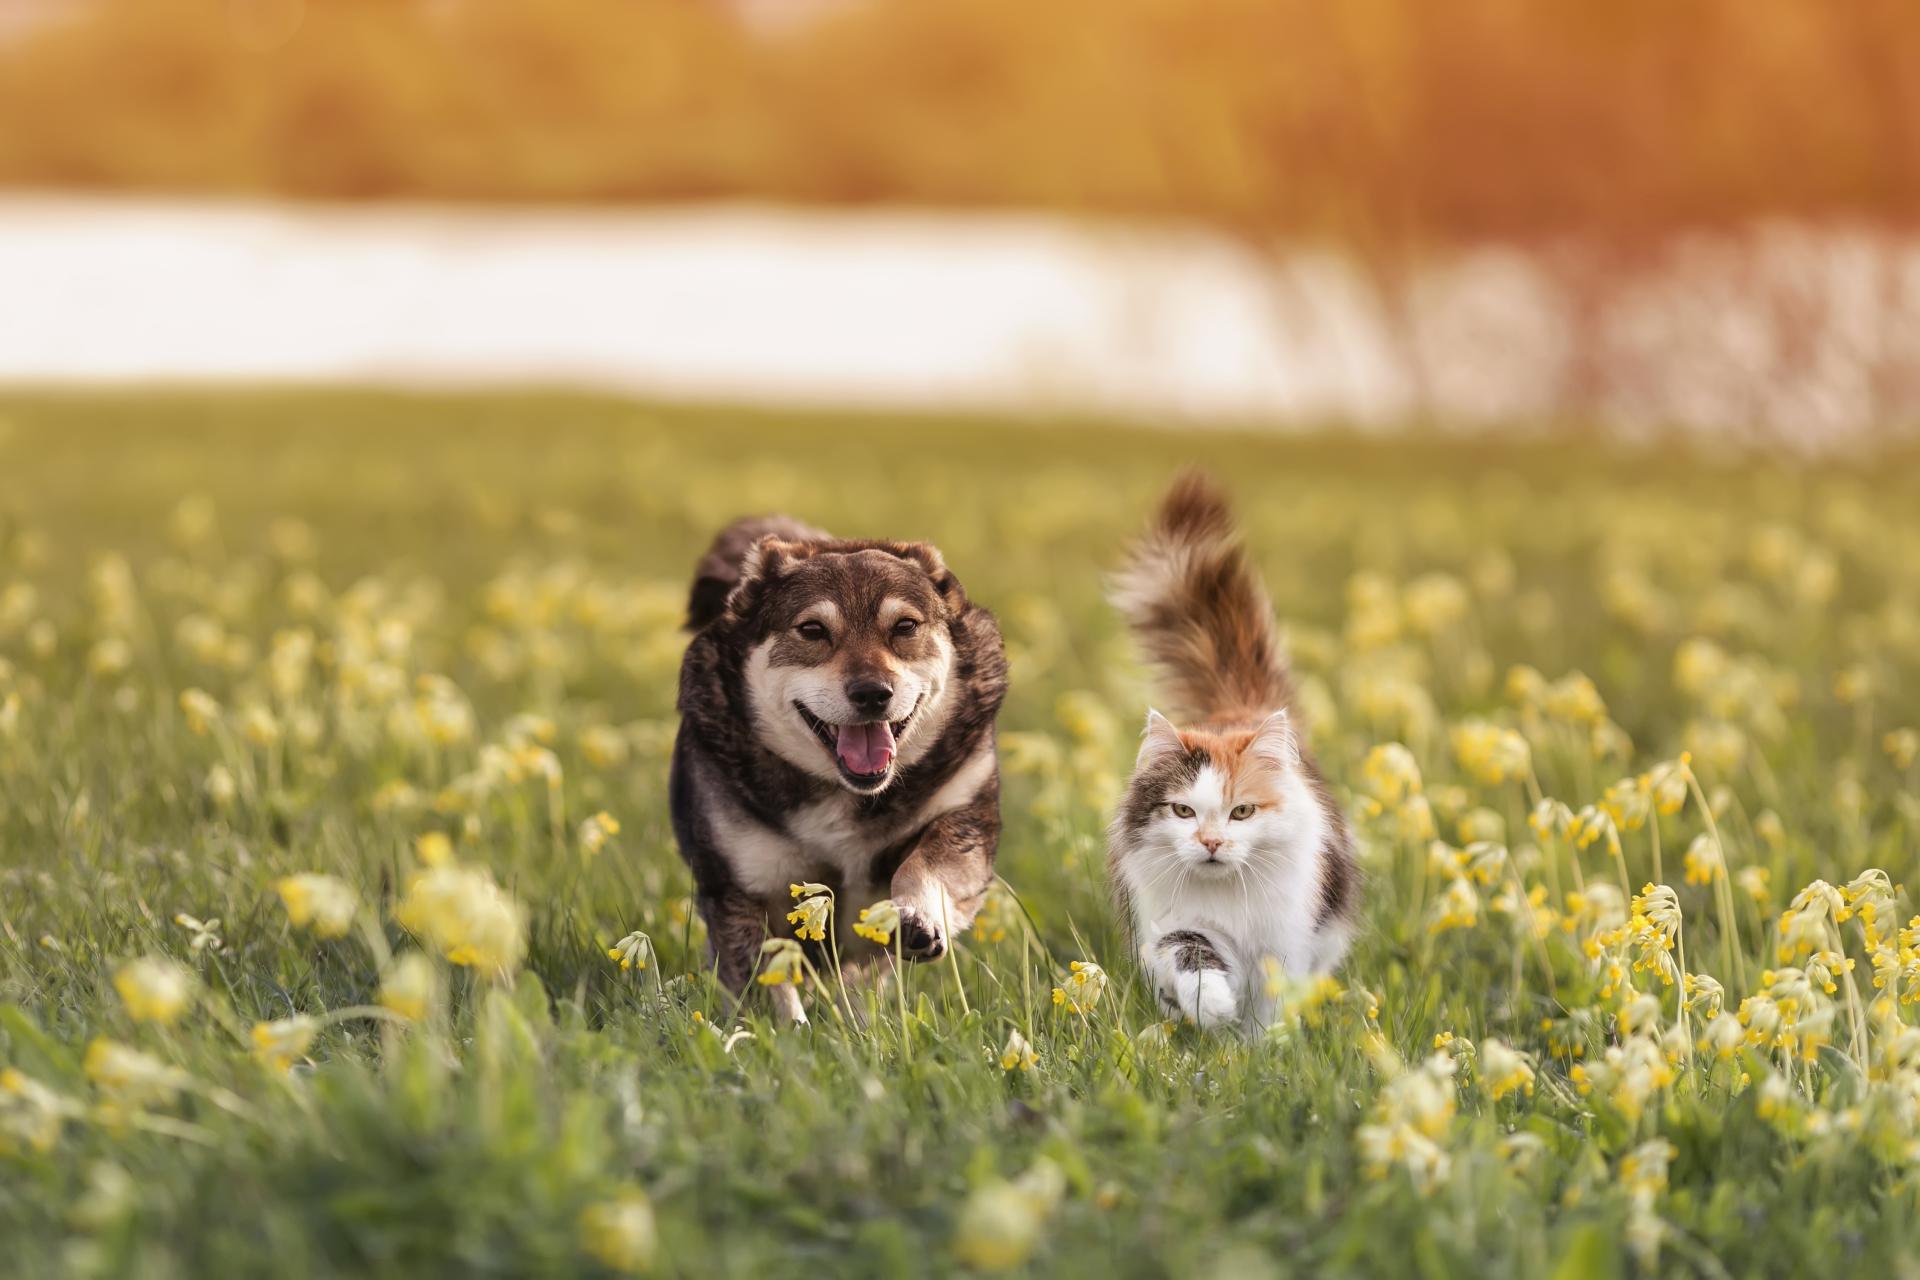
[[1182, 810], [1242, 811], [811, 630]]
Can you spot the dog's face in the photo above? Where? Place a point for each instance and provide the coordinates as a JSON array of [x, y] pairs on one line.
[[851, 654]]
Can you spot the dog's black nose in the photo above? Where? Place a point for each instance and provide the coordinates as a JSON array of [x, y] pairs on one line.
[[869, 697]]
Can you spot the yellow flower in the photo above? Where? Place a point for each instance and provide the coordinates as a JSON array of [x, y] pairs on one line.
[[321, 903], [635, 951], [603, 747], [1755, 882], [204, 934], [221, 787], [133, 1077], [619, 1233], [154, 990], [1456, 908], [1574, 698], [1085, 983], [433, 848], [1643, 1171], [411, 987], [1018, 1054], [1391, 773], [1001, 1222], [999, 915], [258, 726], [1702, 860], [281, 1042], [469, 919], [879, 922], [31, 1114], [596, 831], [782, 963], [810, 917], [1591, 825], [1902, 747], [200, 710], [1503, 1070], [1492, 754]]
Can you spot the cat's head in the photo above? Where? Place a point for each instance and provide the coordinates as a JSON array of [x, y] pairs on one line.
[[1211, 802]]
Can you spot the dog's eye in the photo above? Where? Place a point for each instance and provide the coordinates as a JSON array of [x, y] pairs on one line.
[[906, 627], [811, 630], [1242, 811], [1182, 810]]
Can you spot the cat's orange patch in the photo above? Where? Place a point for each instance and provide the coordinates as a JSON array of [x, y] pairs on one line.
[[1251, 778]]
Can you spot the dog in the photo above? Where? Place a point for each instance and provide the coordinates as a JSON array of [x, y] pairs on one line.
[[837, 705]]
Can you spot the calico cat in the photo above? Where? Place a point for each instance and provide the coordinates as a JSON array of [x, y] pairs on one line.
[[1228, 855]]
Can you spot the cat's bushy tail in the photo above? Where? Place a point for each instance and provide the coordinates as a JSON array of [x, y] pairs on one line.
[[1200, 610]]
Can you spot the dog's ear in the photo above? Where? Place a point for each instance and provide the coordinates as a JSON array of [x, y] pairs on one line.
[[927, 557], [765, 562]]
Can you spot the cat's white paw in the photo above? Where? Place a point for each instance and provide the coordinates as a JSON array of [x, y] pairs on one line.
[[1205, 998]]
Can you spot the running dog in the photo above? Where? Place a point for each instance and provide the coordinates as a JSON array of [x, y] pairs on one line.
[[837, 707]]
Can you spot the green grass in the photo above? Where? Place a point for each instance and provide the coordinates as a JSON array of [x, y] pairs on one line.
[[533, 550]]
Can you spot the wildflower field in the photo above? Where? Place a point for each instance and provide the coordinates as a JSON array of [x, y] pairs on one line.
[[341, 929]]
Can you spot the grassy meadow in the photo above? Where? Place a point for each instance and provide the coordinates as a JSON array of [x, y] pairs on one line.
[[333, 741]]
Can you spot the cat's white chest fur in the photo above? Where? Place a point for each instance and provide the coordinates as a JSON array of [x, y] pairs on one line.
[[1266, 911]]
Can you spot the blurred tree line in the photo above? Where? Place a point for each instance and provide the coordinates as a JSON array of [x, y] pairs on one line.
[[1383, 121]]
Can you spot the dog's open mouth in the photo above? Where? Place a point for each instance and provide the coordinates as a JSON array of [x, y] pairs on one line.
[[863, 752]]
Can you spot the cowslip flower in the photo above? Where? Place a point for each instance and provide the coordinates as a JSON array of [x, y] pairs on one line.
[[410, 987], [635, 951], [1574, 698], [1490, 753], [154, 989], [619, 1233], [596, 831], [1902, 747], [1503, 1070], [31, 1113], [133, 1077], [879, 922], [1456, 908], [203, 934], [1001, 1222], [1391, 773], [782, 963], [1723, 1036], [999, 915], [320, 903], [1018, 1054], [466, 917], [280, 1042], [433, 848], [1702, 860], [200, 710], [811, 916], [1085, 983]]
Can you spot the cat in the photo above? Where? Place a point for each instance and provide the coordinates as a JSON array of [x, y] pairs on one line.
[[1229, 857]]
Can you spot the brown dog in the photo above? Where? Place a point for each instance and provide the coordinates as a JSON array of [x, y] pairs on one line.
[[837, 708]]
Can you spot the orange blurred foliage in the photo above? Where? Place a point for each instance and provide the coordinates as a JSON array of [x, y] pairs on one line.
[[1358, 119]]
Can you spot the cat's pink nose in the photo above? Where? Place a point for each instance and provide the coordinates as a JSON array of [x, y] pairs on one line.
[[1211, 844]]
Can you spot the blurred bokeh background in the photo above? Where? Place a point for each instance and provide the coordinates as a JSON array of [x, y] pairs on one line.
[[1642, 216]]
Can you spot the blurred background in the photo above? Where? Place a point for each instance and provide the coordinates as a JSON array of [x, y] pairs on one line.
[[1648, 217]]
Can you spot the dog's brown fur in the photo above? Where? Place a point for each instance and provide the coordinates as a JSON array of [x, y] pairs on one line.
[[753, 810]]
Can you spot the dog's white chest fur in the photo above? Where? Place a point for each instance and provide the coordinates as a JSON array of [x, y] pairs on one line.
[[827, 838]]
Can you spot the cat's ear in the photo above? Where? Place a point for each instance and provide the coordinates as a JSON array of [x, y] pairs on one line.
[[1158, 740], [1274, 742]]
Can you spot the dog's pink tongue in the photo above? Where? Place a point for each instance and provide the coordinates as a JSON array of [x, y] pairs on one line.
[[865, 748]]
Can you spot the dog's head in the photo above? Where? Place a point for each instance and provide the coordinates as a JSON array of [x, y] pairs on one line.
[[849, 653]]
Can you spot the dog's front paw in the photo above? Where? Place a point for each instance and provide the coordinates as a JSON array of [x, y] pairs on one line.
[[922, 934], [1203, 997]]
